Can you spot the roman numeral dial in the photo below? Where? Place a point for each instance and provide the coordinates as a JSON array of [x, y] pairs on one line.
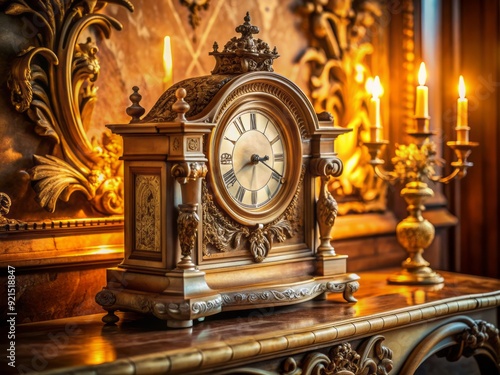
[[252, 157]]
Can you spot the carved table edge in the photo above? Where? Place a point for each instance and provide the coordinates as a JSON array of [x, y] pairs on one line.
[[238, 351]]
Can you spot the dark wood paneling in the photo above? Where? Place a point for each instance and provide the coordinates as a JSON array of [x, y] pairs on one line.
[[471, 49]]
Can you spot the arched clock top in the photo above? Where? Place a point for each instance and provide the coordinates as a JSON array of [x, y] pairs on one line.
[[210, 96]]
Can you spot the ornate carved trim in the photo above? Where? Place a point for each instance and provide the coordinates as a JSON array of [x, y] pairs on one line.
[[265, 88], [286, 295], [5, 203], [457, 337], [344, 360], [57, 95], [227, 235], [147, 213], [199, 92], [72, 224], [274, 296], [244, 54], [327, 207], [195, 7]]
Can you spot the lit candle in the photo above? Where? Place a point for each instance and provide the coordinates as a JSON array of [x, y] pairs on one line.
[[167, 63], [375, 119], [422, 104], [462, 104]]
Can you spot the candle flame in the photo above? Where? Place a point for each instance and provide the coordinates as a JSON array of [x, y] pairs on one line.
[[422, 74], [376, 88], [461, 87], [167, 60]]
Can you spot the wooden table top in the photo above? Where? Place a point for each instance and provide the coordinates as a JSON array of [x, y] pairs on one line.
[[139, 342]]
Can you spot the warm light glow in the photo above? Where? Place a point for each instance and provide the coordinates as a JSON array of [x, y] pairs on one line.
[[461, 87], [359, 76], [99, 350], [369, 84], [376, 88], [422, 75], [104, 250], [167, 62]]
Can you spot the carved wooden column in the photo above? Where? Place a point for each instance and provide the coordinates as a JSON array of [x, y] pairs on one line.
[[325, 164], [189, 295]]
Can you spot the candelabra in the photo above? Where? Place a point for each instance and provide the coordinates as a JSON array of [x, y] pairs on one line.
[[414, 166]]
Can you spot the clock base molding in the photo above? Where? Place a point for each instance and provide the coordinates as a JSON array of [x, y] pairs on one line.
[[181, 296]]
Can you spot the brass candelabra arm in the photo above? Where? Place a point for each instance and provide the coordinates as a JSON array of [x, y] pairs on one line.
[[462, 150], [374, 149]]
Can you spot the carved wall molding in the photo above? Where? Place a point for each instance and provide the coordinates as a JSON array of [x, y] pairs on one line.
[[53, 82], [339, 42]]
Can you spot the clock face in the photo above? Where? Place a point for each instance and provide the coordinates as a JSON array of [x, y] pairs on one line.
[[252, 159], [255, 162]]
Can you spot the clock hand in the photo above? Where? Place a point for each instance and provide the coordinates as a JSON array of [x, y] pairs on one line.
[[256, 158]]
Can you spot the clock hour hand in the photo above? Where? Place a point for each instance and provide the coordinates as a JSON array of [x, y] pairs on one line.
[[256, 159]]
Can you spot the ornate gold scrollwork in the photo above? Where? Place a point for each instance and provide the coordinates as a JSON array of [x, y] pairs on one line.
[[5, 203], [195, 7], [226, 235], [456, 337], [58, 96], [480, 336], [343, 359], [338, 74]]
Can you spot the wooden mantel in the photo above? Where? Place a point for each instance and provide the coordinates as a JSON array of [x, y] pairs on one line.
[[395, 327]]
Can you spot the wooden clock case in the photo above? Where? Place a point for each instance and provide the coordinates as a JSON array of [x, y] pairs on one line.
[[186, 257]]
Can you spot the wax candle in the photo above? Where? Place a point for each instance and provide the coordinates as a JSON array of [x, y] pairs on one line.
[[422, 103], [462, 104], [167, 63], [375, 118]]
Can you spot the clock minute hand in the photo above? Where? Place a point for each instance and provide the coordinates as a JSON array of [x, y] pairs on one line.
[[256, 158]]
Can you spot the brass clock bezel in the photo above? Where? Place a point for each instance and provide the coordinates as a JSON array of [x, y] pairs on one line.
[[284, 120]]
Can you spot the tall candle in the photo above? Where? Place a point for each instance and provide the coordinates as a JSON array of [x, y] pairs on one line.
[[167, 63], [462, 104], [375, 119], [422, 103]]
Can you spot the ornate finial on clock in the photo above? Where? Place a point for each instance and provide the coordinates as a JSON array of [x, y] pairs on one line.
[[180, 106], [244, 54], [135, 110]]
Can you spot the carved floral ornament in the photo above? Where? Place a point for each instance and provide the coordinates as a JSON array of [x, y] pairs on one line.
[[195, 7], [52, 81]]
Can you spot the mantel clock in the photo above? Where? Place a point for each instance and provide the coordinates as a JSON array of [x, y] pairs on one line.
[[227, 205]]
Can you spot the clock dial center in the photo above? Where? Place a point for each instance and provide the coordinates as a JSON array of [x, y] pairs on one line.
[[252, 158], [248, 165]]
